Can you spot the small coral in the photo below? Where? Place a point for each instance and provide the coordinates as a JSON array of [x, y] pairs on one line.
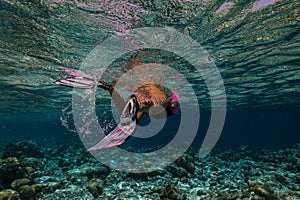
[[186, 161], [37, 187], [264, 191], [176, 171], [147, 164], [171, 192], [95, 188], [27, 192], [9, 195], [16, 184], [11, 169], [89, 171]]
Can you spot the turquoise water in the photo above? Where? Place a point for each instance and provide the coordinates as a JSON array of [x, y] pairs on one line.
[[255, 46]]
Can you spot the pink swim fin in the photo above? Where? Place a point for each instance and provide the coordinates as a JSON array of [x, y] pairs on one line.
[[78, 79], [123, 130], [75, 72], [114, 138]]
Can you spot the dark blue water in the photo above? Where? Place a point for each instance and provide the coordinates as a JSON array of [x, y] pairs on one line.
[[261, 129], [258, 128]]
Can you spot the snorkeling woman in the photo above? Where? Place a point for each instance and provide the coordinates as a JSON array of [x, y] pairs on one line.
[[150, 95]]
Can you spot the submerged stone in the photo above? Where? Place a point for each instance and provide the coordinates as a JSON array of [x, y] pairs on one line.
[[90, 171], [280, 178], [27, 192], [176, 171], [95, 188], [264, 191], [11, 169], [147, 164], [22, 148], [297, 179], [37, 187], [186, 161], [9, 195], [16, 184], [171, 192]]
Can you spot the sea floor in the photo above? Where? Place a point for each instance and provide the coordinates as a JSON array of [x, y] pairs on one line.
[[32, 171]]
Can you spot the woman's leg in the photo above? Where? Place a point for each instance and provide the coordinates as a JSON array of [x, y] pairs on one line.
[[118, 100]]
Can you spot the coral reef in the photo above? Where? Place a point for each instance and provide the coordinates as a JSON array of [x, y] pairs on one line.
[[69, 172]]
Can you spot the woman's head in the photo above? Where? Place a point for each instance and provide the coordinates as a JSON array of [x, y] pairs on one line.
[[174, 103]]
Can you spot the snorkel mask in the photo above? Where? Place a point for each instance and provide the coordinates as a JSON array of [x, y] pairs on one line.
[[174, 101]]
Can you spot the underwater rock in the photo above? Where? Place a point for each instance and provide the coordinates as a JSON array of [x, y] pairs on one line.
[[90, 171], [66, 163], [217, 194], [68, 193], [290, 167], [11, 169], [16, 184], [297, 179], [280, 178], [233, 196], [52, 187], [147, 164], [37, 187], [120, 196], [27, 192], [22, 148], [202, 178], [157, 173], [184, 179], [298, 165], [176, 171], [114, 178], [95, 188], [190, 168], [201, 192], [171, 192], [245, 151], [33, 162], [9, 195], [138, 176], [263, 191], [229, 155], [107, 198], [186, 161], [75, 180], [214, 168], [142, 175], [213, 183]]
